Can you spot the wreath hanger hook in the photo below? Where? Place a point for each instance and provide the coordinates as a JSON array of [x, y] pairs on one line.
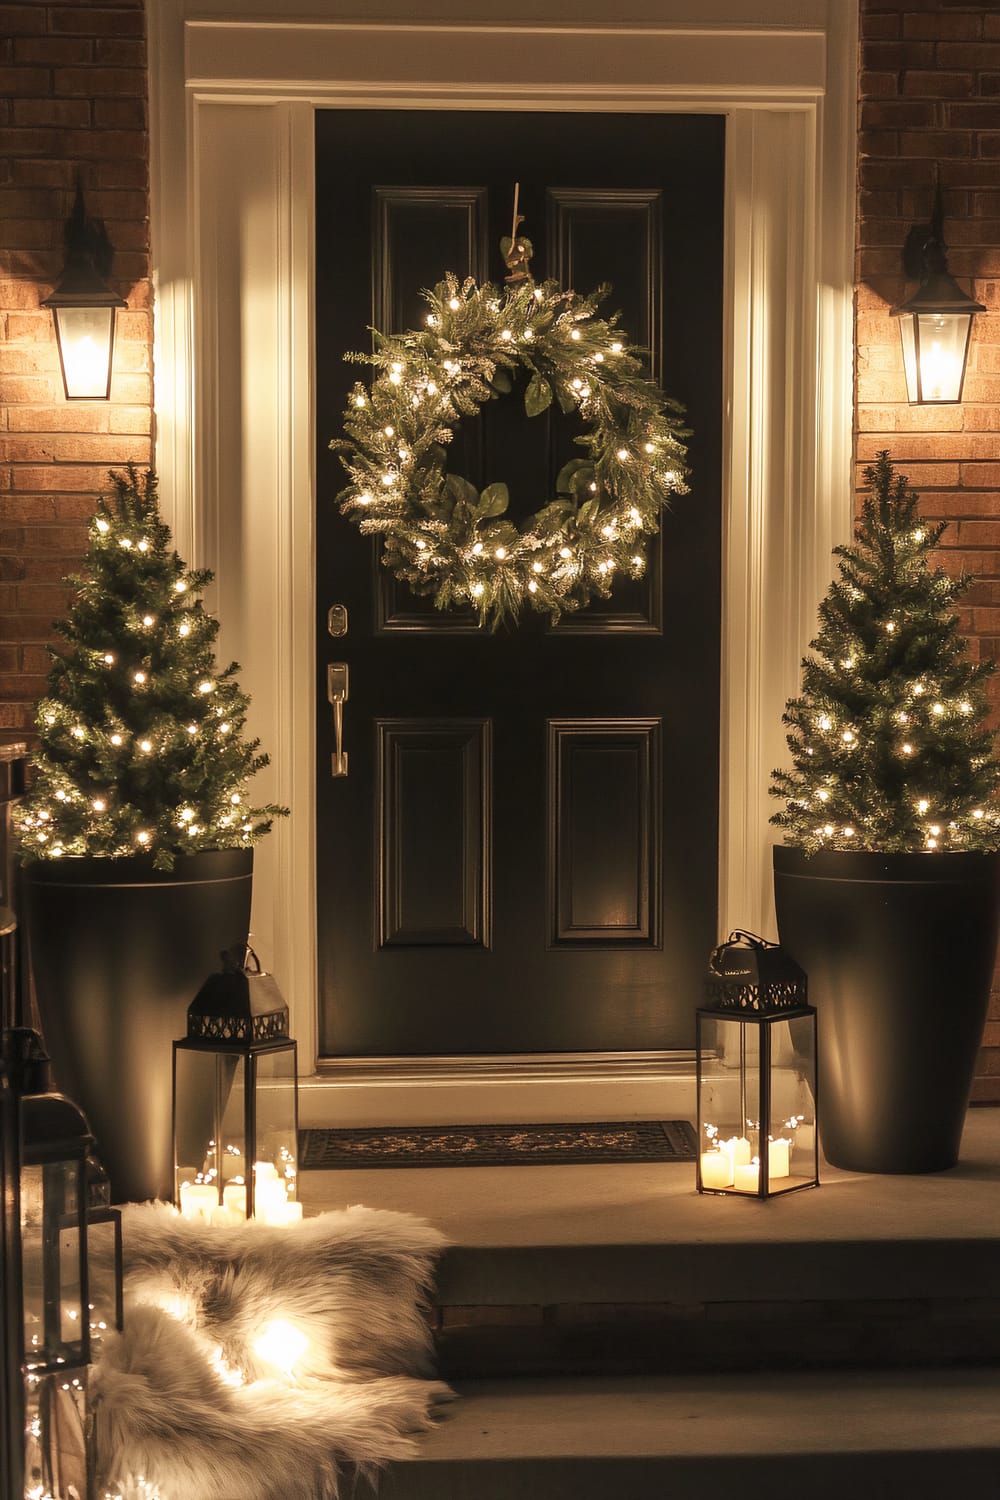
[[518, 252]]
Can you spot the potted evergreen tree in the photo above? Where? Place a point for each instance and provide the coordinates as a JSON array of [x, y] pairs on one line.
[[137, 834], [886, 887]]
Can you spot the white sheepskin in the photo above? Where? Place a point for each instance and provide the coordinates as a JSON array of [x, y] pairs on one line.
[[185, 1399]]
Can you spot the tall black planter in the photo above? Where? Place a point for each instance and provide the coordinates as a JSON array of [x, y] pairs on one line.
[[118, 952], [899, 952]]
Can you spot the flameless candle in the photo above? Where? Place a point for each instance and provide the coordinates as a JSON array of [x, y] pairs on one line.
[[198, 1199], [738, 1148], [226, 1218], [284, 1213], [234, 1198], [778, 1159], [716, 1169], [270, 1194], [746, 1179]]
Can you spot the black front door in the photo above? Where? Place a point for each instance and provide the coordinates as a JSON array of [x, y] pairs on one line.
[[523, 854]]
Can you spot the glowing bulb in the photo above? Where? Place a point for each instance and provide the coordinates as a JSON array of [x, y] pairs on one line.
[[236, 797], [847, 736], [907, 749], [116, 739], [404, 454], [575, 334], [536, 567], [192, 729], [477, 548], [890, 626], [977, 812], [387, 479], [142, 837], [390, 431], [598, 358], [607, 531], [923, 805], [529, 333], [637, 561], [421, 544], [966, 708], [145, 746], [281, 1344], [61, 796], [143, 546], [938, 708], [477, 589], [634, 515], [532, 586], [918, 688], [148, 620], [224, 728], [103, 526], [454, 304], [825, 722], [395, 379], [98, 804], [431, 388], [538, 294], [935, 829], [186, 814], [79, 733], [125, 543], [431, 320], [180, 586], [577, 384], [50, 718], [506, 335], [365, 499], [918, 535], [848, 833], [823, 796], [649, 448], [616, 348], [902, 718], [932, 843], [206, 686], [139, 678], [565, 552], [397, 368], [109, 658], [622, 455], [359, 401], [847, 663], [828, 828], [184, 629], [500, 553]]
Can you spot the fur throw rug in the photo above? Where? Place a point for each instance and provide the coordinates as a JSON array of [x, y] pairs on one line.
[[257, 1361]]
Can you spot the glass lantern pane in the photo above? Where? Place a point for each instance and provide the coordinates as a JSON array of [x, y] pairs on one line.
[[57, 1429], [940, 354], [793, 1142], [210, 1155], [104, 1273], [276, 1147], [85, 335], [52, 1251], [729, 1104]]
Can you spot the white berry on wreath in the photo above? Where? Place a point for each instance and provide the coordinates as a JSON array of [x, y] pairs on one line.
[[441, 535]]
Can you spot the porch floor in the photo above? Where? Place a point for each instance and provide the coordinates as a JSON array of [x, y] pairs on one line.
[[542, 1235]]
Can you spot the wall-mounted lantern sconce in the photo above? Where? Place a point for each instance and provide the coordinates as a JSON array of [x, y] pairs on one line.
[[83, 308], [936, 322]]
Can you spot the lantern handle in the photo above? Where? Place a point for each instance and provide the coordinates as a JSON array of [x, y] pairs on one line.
[[738, 935]]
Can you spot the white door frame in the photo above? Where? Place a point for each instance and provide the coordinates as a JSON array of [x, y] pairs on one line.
[[234, 87]]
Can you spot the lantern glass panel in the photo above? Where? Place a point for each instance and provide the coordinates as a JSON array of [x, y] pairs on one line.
[[53, 1251], [276, 1147], [104, 1272], [934, 351], [85, 336], [757, 1103]]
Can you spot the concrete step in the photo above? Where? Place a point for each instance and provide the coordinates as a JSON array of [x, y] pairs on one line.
[[920, 1433]]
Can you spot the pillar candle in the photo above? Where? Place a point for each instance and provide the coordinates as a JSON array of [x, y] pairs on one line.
[[284, 1213], [777, 1159], [198, 1199], [746, 1178], [716, 1169], [234, 1198], [738, 1148]]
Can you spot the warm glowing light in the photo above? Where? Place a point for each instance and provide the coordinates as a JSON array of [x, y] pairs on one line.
[[124, 542], [148, 620], [390, 431], [103, 526], [565, 552], [923, 805], [206, 686], [184, 629], [236, 797], [139, 678], [890, 626], [224, 728], [98, 804], [192, 729], [116, 739], [616, 348], [387, 479], [79, 733], [935, 829], [649, 447], [143, 546], [938, 708], [847, 736], [977, 812], [823, 795], [828, 829], [532, 587], [907, 749], [186, 814], [848, 833], [506, 335], [536, 567], [281, 1344], [365, 499], [622, 455], [477, 548], [109, 658], [395, 378], [477, 589], [575, 334], [825, 722], [965, 708], [145, 746], [918, 688], [577, 383], [180, 586], [529, 333], [142, 837], [918, 535], [359, 401], [500, 553], [454, 304]]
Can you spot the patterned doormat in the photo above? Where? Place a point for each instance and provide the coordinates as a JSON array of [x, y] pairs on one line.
[[498, 1145]]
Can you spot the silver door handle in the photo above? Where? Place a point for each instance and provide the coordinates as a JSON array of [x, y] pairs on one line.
[[337, 692]]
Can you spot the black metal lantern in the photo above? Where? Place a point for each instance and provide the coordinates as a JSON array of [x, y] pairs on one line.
[[236, 1101], [936, 322], [83, 308], [70, 1252], [756, 1073]]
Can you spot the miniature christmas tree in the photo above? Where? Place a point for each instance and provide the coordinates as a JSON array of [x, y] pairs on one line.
[[141, 739], [889, 747]]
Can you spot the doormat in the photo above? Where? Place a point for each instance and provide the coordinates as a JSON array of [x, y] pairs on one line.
[[498, 1145]]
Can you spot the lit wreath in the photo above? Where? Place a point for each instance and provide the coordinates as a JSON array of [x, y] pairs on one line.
[[440, 534]]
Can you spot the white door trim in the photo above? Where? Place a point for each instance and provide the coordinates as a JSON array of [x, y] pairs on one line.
[[233, 90]]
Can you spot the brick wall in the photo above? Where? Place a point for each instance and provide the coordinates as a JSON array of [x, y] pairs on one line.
[[72, 104], [930, 94]]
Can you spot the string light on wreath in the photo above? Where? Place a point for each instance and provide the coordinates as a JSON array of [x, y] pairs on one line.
[[441, 535]]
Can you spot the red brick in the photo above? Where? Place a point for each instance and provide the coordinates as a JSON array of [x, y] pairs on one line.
[[117, 53], [896, 174], [53, 52], [93, 81], [899, 54], [878, 85], [69, 114], [938, 85], [975, 55], [94, 20], [122, 174], [123, 114], [24, 82], [981, 114], [877, 26], [22, 20], [937, 27], [936, 145], [53, 477], [76, 416], [896, 114]]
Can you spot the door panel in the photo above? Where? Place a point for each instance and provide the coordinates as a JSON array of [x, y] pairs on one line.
[[523, 856]]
